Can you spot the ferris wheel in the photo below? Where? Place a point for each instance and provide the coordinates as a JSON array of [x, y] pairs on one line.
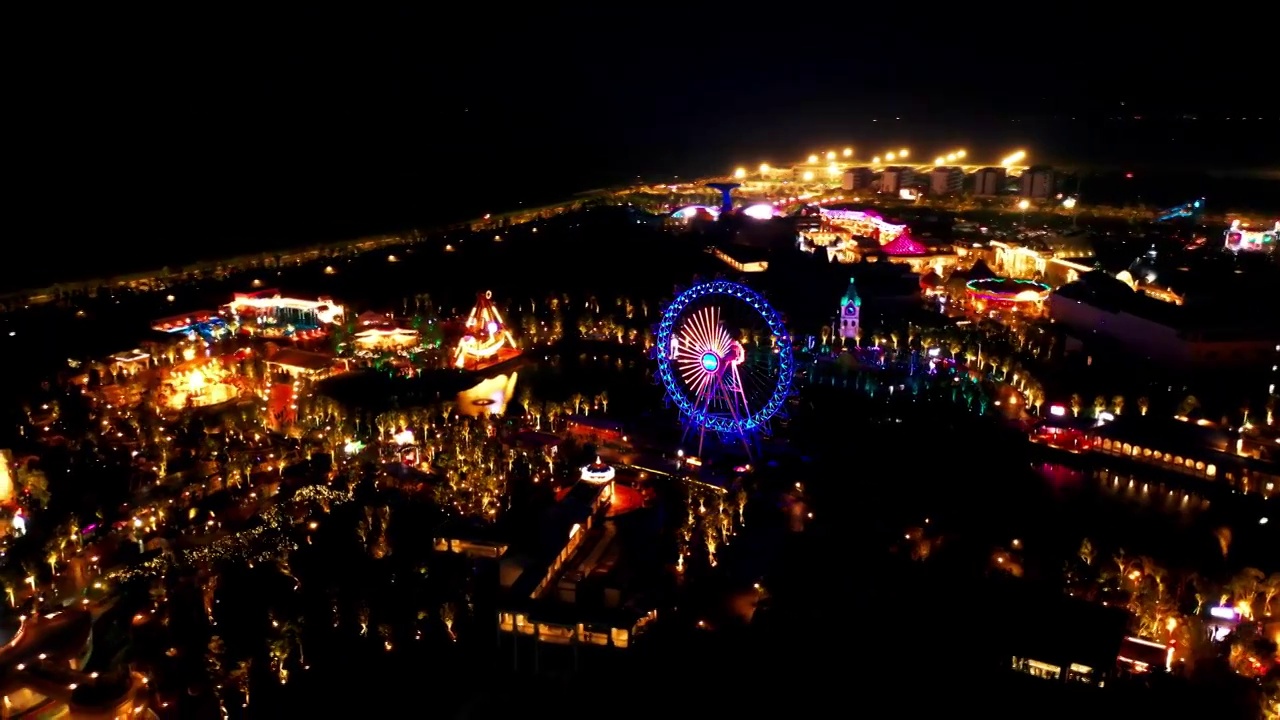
[[725, 359]]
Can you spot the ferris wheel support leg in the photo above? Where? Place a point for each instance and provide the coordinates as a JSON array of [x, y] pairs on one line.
[[730, 402]]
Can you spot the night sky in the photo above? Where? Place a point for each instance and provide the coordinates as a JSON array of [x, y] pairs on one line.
[[136, 133]]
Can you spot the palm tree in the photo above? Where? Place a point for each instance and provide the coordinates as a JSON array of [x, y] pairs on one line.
[[1270, 589], [1144, 404], [1117, 404], [1077, 404]]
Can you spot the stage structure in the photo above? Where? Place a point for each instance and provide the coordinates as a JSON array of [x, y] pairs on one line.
[[725, 359], [486, 339]]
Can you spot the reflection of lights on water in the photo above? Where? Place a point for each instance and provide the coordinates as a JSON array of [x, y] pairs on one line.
[[488, 397]]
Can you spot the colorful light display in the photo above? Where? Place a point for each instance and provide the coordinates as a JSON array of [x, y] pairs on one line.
[[486, 334], [717, 384], [597, 473], [903, 245], [1007, 290], [763, 211], [323, 310], [1240, 239], [865, 224]]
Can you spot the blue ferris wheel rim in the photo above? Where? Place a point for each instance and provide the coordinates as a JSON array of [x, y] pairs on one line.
[[670, 380]]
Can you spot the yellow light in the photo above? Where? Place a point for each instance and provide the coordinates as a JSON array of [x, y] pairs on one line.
[[834, 170], [939, 160], [831, 154], [890, 157], [848, 152], [875, 160], [951, 157], [740, 173], [808, 175], [1024, 204], [764, 168], [903, 153], [960, 154], [813, 159]]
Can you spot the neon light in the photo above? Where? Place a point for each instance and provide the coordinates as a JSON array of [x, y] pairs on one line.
[[597, 473], [865, 224], [684, 338], [762, 211], [1223, 613], [710, 361], [1007, 290], [326, 311], [903, 245], [487, 334]]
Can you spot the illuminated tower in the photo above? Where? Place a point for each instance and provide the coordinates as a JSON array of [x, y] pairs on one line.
[[726, 199], [850, 310]]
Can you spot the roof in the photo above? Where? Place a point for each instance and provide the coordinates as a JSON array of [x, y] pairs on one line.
[[1081, 632], [302, 359]]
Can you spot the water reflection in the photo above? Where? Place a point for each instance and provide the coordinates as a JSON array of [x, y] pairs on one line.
[[488, 397]]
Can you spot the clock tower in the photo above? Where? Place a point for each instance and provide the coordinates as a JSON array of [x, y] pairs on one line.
[[850, 309]]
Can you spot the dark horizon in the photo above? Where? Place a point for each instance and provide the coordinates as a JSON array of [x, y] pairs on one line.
[[134, 148]]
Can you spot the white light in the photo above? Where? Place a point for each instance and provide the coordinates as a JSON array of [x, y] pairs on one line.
[[1263, 521], [763, 211]]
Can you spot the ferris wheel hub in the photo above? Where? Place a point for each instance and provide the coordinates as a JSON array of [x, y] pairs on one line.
[[710, 362]]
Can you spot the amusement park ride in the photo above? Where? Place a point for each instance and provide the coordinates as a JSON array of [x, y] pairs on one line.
[[486, 339], [724, 379]]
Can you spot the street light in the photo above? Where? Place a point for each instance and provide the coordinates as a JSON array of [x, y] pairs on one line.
[[813, 159], [831, 154], [764, 168], [875, 160], [808, 175], [833, 170], [1069, 203], [1024, 204], [890, 157], [939, 161], [903, 153], [739, 173], [848, 152]]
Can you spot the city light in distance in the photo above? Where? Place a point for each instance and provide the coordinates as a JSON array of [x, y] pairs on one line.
[[808, 175], [890, 157], [764, 168], [903, 153], [831, 154], [876, 160], [739, 173], [1014, 159], [813, 159], [848, 152]]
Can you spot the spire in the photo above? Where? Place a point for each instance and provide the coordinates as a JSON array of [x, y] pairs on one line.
[[851, 295]]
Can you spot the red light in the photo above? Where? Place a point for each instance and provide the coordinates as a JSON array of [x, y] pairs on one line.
[[1129, 175]]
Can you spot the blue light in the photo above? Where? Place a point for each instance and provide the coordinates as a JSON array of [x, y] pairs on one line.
[[710, 362], [670, 375]]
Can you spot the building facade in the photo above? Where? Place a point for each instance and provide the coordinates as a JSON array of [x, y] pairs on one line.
[[989, 182], [946, 181], [1038, 183]]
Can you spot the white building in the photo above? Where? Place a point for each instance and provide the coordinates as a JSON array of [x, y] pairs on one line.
[[946, 181], [894, 179], [1038, 183], [989, 182]]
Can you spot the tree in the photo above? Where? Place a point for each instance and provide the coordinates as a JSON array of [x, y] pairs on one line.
[[1143, 405], [1099, 405], [1077, 404], [1189, 405], [1117, 404], [34, 483]]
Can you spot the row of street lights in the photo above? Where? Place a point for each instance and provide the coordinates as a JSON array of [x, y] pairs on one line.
[[834, 169]]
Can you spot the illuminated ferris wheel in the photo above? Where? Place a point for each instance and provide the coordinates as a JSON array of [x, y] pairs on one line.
[[725, 359]]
